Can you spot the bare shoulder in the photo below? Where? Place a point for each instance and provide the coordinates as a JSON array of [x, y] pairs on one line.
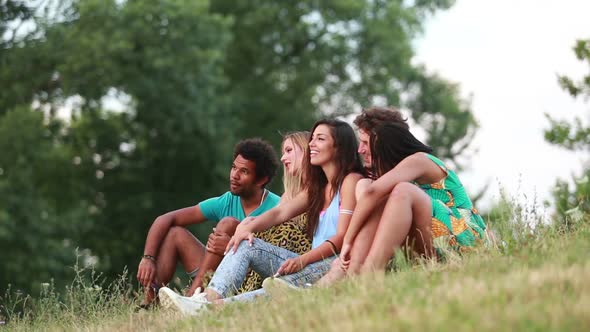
[[351, 180], [418, 157], [348, 189], [418, 160], [363, 182], [352, 177], [431, 171]]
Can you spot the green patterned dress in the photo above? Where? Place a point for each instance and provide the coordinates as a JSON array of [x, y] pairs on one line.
[[456, 224]]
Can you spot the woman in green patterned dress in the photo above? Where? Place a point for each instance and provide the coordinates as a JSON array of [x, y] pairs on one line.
[[415, 200]]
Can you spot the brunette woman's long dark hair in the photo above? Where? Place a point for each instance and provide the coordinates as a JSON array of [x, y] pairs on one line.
[[390, 144], [347, 161]]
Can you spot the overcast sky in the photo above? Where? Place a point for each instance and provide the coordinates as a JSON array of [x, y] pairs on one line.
[[506, 55]]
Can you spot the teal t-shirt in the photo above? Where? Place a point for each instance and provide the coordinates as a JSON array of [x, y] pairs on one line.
[[229, 205]]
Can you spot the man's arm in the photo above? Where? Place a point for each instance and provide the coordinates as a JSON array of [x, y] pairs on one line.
[[162, 224], [160, 227]]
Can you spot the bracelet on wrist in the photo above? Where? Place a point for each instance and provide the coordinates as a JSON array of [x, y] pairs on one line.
[[334, 249], [150, 257]]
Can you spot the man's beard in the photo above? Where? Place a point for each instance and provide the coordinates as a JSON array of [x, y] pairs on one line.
[[244, 192]]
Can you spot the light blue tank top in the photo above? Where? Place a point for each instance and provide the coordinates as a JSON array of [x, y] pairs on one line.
[[328, 222]]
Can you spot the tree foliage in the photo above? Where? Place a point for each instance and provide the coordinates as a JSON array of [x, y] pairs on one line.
[[573, 199], [35, 228], [333, 56], [128, 109]]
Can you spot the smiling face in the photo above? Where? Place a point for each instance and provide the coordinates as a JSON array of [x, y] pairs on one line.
[[321, 146], [292, 157], [242, 177], [365, 147]]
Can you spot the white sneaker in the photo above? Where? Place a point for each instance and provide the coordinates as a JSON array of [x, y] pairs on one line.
[[183, 304]]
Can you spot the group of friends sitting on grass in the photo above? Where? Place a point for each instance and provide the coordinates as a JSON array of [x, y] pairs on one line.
[[348, 206]]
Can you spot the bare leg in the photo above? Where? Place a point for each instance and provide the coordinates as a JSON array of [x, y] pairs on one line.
[[179, 244], [224, 229], [358, 253], [363, 240], [361, 244], [407, 212]]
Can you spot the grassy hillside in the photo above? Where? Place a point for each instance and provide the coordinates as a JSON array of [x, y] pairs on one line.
[[535, 280]]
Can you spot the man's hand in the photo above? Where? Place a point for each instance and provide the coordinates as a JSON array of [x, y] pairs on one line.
[[242, 233], [290, 266], [217, 242], [146, 272]]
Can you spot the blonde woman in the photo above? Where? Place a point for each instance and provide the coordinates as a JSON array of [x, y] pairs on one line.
[[290, 235]]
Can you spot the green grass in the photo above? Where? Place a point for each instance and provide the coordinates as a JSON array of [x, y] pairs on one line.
[[536, 280]]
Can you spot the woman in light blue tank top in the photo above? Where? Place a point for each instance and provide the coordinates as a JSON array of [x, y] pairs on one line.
[[332, 167], [328, 222]]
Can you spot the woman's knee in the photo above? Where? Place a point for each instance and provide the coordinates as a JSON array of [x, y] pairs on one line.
[[403, 190], [407, 190], [227, 225], [361, 187], [245, 247]]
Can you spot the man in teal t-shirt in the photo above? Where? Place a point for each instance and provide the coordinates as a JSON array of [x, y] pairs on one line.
[[230, 205], [168, 241]]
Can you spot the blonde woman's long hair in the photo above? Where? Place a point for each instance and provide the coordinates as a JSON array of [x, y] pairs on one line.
[[293, 184]]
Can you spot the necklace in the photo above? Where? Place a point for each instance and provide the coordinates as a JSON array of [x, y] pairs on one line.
[[262, 199], [259, 204]]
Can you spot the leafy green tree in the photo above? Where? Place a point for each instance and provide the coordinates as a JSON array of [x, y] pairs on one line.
[[166, 149], [13, 15], [35, 230], [169, 145], [290, 63], [575, 136]]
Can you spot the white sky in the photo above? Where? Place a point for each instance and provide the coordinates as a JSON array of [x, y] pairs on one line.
[[507, 55]]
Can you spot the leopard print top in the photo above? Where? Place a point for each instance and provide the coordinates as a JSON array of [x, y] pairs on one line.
[[289, 235]]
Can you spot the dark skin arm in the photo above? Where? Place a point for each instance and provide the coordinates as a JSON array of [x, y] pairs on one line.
[[160, 227], [217, 242]]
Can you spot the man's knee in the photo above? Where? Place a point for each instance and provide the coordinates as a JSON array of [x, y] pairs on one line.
[[227, 225], [175, 233]]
